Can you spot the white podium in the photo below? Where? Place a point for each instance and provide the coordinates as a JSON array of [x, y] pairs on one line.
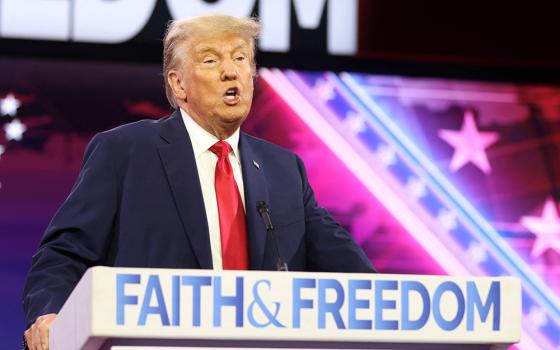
[[156, 309]]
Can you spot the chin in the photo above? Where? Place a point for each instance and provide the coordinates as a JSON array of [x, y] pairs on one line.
[[234, 116], [237, 120]]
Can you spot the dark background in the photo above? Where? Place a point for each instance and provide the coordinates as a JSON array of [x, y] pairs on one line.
[[489, 40]]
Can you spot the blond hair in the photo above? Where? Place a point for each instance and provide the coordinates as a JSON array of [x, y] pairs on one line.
[[180, 31]]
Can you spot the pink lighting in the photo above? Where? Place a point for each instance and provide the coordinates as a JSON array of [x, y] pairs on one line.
[[546, 227], [376, 185], [469, 144]]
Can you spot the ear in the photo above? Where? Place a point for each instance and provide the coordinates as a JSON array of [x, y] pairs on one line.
[[175, 81]]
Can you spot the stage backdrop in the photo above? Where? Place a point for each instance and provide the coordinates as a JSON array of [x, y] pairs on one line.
[[430, 176]]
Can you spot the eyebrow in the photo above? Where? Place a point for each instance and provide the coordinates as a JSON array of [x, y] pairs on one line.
[[211, 49], [206, 49]]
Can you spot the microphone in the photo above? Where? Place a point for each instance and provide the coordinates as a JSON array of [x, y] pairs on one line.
[[263, 208]]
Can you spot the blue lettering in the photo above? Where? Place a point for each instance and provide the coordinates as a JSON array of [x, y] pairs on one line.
[[196, 282], [298, 302], [354, 303], [406, 322], [236, 301], [493, 299], [454, 289], [123, 299], [153, 288], [332, 308], [384, 304], [176, 300], [270, 314]]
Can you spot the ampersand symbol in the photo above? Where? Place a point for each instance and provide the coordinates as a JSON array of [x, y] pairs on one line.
[[271, 316]]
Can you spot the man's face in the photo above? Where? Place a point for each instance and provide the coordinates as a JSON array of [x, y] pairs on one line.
[[217, 79]]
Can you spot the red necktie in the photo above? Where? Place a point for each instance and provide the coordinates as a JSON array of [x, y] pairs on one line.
[[233, 229]]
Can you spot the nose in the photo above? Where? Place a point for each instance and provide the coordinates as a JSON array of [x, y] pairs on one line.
[[229, 70]]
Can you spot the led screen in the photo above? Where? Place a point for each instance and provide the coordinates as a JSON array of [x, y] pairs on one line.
[[430, 176]]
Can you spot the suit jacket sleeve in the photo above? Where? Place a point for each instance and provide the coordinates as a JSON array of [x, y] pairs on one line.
[[77, 237], [329, 246]]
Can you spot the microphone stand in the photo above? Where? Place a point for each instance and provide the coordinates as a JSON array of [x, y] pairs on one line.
[[263, 209]]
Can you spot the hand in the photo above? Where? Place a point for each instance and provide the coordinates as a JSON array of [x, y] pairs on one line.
[[37, 336]]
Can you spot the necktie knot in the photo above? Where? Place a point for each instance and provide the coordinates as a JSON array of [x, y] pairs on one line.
[[221, 149]]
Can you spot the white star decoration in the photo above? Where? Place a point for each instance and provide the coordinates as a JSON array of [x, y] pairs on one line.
[[386, 155], [447, 220], [545, 227], [477, 252], [355, 122], [324, 89], [537, 317], [416, 187], [469, 144], [9, 105], [14, 130]]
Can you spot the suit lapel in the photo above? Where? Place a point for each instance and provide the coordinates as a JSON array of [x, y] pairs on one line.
[[177, 157], [255, 185]]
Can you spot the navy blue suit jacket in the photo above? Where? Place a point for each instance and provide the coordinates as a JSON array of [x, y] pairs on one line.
[[137, 202]]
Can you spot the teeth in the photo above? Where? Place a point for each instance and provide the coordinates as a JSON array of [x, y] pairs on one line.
[[231, 95]]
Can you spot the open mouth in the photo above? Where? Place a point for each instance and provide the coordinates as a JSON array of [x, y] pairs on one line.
[[231, 96]]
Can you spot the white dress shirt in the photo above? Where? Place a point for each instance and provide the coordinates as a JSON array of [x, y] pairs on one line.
[[206, 161]]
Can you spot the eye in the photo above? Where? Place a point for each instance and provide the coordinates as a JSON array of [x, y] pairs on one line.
[[209, 61], [240, 58]]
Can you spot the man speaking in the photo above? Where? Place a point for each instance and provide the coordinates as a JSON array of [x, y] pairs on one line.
[[184, 191]]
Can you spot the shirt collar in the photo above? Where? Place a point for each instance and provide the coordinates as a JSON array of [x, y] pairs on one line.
[[202, 140]]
